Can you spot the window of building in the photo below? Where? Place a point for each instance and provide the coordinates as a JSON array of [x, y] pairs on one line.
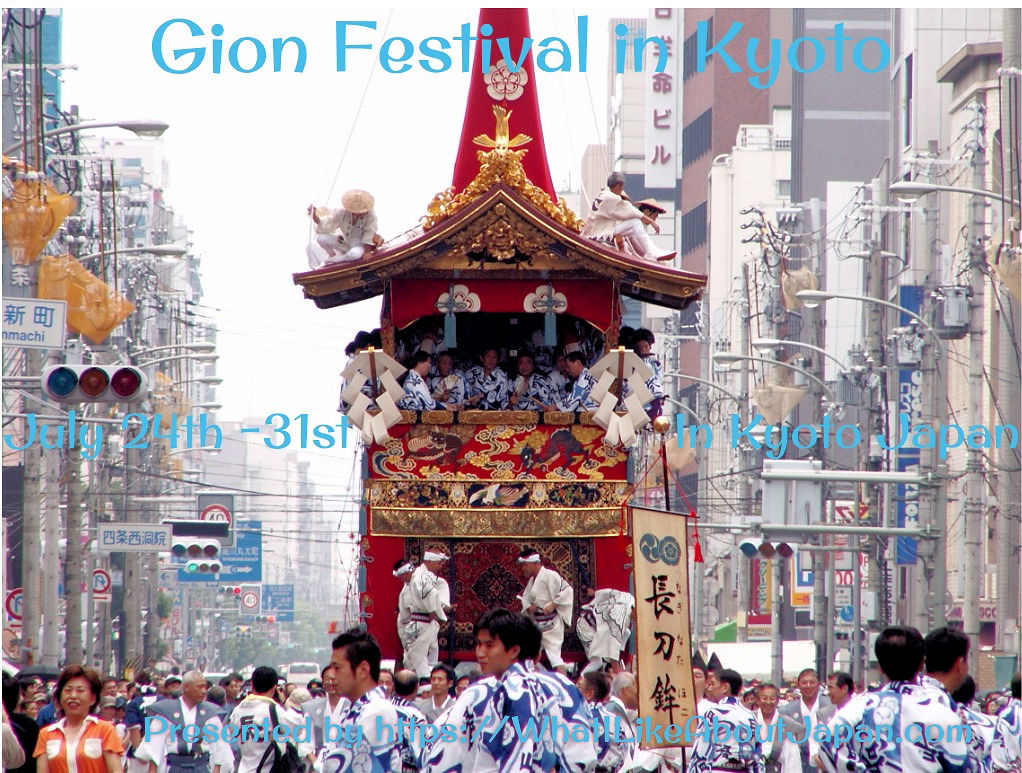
[[690, 63], [693, 228], [784, 189], [695, 138]]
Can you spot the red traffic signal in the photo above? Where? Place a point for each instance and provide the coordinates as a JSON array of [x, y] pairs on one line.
[[94, 383]]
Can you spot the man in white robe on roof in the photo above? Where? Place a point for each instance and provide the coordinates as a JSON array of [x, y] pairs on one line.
[[615, 219], [548, 599], [425, 613]]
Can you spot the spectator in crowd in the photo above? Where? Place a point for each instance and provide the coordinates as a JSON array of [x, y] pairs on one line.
[[23, 727], [79, 742]]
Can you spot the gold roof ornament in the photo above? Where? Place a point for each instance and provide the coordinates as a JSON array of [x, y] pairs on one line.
[[500, 165]]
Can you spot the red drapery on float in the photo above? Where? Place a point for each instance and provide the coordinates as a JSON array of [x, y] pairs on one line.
[[588, 299]]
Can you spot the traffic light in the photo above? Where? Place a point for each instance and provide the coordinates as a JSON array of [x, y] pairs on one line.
[[94, 383], [197, 543], [232, 592], [753, 549]]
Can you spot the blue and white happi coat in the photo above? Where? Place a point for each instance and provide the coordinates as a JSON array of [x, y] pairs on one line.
[[493, 386], [376, 746], [417, 396], [735, 742], [456, 391], [571, 721], [1006, 752], [488, 729], [888, 732], [577, 398], [981, 744], [536, 395], [615, 738]]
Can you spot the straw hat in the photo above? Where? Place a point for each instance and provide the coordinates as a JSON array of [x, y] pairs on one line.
[[357, 201], [651, 204]]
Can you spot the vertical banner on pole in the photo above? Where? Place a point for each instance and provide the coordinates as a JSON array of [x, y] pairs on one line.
[[664, 649], [910, 403]]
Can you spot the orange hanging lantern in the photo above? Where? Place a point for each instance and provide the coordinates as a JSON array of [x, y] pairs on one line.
[[94, 308], [32, 213]]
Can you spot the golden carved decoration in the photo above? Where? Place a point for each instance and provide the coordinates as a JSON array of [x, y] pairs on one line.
[[500, 165], [453, 522]]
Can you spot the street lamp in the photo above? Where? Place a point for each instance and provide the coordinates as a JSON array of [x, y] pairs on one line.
[[161, 250], [766, 344], [686, 409], [140, 127], [207, 406], [729, 357], [196, 357], [813, 298], [910, 190], [710, 384], [192, 346]]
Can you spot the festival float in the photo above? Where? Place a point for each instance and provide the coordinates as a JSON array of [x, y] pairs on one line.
[[496, 260]]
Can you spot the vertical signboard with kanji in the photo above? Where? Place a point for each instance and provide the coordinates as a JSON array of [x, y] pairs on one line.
[[663, 97], [910, 404], [662, 634]]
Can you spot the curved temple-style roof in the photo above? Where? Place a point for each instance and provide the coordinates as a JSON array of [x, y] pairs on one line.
[[499, 235]]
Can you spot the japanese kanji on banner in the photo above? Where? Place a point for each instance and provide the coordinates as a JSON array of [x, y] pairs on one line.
[[664, 642]]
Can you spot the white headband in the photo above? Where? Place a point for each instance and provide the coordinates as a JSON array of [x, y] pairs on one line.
[[533, 559], [405, 568], [429, 555]]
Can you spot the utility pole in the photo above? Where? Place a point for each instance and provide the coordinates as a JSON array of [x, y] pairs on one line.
[[744, 474], [1009, 495], [875, 288], [75, 559], [975, 483], [131, 613], [31, 526], [932, 575], [51, 556]]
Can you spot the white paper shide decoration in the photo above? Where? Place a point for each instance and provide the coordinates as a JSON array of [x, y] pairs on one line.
[[630, 368], [358, 373]]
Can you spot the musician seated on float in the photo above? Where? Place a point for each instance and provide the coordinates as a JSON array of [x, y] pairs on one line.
[[530, 392], [417, 396], [577, 397], [448, 385], [488, 387]]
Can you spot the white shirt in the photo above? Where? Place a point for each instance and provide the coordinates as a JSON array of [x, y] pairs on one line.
[[548, 587], [158, 745], [253, 711], [810, 712]]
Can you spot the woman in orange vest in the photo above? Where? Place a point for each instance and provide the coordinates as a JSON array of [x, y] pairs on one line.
[[80, 742]]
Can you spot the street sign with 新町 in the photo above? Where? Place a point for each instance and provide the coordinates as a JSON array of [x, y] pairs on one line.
[[35, 323]]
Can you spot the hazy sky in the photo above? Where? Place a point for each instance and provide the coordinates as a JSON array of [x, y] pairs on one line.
[[249, 152]]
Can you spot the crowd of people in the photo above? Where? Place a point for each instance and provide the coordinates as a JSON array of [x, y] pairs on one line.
[[530, 378], [367, 718]]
